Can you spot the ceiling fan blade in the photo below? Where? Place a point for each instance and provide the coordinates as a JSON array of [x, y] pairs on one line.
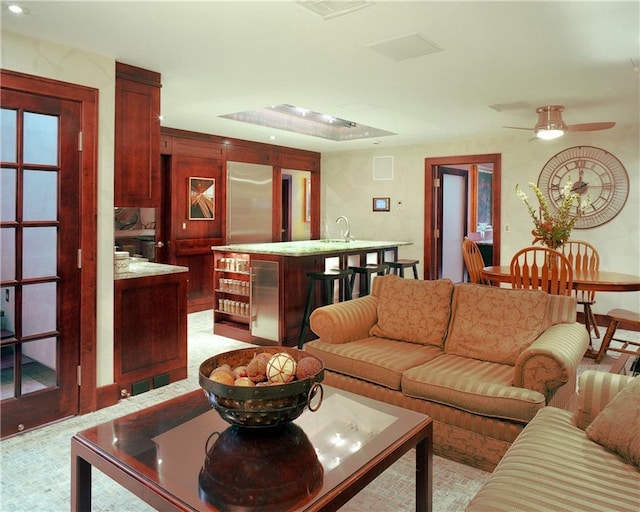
[[590, 127], [517, 128]]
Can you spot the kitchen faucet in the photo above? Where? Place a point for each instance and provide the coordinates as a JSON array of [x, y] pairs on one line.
[[347, 232]]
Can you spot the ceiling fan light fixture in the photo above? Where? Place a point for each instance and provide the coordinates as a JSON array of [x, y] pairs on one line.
[[550, 124]]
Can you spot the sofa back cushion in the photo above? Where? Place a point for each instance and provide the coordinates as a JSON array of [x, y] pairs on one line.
[[412, 310], [495, 324]]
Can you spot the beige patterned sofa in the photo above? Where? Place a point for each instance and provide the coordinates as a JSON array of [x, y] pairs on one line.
[[561, 461], [480, 360]]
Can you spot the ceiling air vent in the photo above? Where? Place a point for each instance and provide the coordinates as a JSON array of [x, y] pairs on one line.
[[406, 47], [328, 9]]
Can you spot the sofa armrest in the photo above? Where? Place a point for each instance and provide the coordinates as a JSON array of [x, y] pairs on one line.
[[596, 390], [552, 359], [345, 321]]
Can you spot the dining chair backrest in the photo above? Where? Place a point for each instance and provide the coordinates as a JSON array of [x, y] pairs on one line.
[[473, 261], [583, 257], [541, 268]]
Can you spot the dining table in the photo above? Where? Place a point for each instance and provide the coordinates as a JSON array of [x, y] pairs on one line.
[[586, 280]]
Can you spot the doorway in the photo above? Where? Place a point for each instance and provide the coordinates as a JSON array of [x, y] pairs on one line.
[[468, 201], [287, 185], [453, 204], [44, 300]]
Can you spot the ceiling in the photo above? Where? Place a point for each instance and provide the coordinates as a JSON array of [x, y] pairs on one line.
[[218, 58]]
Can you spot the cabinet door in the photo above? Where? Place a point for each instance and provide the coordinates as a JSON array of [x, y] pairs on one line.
[[137, 143]]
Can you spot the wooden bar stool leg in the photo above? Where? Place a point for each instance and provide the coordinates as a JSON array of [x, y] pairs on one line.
[[348, 289], [415, 272], [307, 313]]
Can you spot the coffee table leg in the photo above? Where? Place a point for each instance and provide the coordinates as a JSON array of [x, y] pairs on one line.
[[80, 484], [424, 479]]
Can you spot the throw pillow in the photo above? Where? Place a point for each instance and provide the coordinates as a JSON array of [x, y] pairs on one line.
[[495, 324], [616, 426], [413, 310]]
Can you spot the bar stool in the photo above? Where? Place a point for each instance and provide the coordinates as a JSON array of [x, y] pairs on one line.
[[615, 317], [398, 266], [365, 272], [328, 280]]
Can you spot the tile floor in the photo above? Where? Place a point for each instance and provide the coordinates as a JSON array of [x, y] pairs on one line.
[[35, 469]]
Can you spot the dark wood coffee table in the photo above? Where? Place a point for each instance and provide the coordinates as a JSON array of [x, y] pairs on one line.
[[161, 453]]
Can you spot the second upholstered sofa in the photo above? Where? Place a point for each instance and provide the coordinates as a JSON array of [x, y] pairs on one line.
[[569, 462], [480, 360]]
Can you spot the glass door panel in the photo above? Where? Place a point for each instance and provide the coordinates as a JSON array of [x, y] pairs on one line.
[[29, 237]]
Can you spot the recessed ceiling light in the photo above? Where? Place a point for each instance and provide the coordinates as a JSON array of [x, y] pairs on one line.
[[16, 9]]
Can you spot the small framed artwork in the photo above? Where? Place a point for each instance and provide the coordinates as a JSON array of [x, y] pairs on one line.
[[202, 199], [381, 204]]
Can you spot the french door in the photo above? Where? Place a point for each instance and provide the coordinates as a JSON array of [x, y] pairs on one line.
[[40, 278]]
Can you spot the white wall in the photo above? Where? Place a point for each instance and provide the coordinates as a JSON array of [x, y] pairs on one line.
[[348, 188], [67, 64]]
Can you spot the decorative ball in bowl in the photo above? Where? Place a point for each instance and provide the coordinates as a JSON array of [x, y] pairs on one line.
[[262, 386]]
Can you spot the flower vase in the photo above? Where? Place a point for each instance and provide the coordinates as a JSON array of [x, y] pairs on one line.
[[551, 260]]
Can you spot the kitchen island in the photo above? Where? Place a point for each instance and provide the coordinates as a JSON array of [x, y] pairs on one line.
[[261, 288]]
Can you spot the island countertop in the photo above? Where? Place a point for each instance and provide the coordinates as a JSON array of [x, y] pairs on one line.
[[309, 247], [147, 269]]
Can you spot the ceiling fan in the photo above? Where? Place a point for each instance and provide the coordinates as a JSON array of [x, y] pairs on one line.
[[551, 126]]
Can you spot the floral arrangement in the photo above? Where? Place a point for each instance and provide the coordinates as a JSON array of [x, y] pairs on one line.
[[553, 229]]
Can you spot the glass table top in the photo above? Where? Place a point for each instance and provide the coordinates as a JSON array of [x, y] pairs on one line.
[[185, 448]]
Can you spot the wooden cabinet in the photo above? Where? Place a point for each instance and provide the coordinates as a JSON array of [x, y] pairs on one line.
[[150, 342], [232, 286], [137, 138], [247, 297]]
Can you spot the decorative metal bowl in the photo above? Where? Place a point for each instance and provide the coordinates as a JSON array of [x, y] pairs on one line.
[[260, 406]]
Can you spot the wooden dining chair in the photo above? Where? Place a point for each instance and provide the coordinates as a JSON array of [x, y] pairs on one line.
[[584, 257], [541, 268], [473, 261]]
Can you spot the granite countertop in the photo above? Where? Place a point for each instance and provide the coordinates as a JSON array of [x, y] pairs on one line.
[[147, 269], [309, 247]]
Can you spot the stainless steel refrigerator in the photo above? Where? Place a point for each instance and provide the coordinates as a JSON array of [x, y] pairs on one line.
[[249, 203]]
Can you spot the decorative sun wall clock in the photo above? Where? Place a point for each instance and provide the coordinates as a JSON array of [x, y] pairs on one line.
[[596, 174]]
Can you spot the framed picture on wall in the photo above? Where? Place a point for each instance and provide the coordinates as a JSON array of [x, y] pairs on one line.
[[381, 204], [202, 192]]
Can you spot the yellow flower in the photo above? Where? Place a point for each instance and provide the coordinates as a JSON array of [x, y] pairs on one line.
[[553, 229]]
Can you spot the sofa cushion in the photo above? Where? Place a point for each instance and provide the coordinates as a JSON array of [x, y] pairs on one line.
[[553, 466], [413, 310], [479, 387], [616, 426], [495, 324], [378, 360]]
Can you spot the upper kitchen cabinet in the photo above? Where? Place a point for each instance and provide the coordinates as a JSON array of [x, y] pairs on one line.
[[137, 137]]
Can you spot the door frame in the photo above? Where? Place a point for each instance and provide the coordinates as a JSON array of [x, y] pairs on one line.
[[432, 210], [88, 98]]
